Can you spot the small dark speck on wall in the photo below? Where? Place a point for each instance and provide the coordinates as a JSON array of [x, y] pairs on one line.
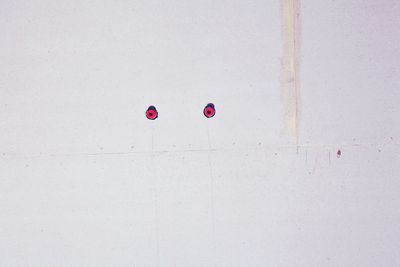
[[338, 153]]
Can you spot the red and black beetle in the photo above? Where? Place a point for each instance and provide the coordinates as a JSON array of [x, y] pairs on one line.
[[152, 113], [209, 110]]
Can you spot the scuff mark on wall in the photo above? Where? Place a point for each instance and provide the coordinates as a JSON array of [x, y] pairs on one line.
[[290, 83], [317, 160]]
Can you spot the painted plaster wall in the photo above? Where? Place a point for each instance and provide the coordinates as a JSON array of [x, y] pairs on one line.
[[87, 180]]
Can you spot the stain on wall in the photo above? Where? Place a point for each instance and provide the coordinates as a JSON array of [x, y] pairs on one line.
[[290, 83]]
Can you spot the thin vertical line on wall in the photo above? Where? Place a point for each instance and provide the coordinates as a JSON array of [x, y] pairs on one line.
[[212, 193], [156, 204]]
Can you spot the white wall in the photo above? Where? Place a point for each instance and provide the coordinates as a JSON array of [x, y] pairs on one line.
[[87, 180]]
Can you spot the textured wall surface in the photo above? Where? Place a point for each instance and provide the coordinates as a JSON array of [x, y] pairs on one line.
[[87, 180]]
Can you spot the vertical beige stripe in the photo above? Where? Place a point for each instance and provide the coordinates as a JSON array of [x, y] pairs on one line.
[[290, 10]]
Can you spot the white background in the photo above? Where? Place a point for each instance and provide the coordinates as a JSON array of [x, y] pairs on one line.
[[87, 180]]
